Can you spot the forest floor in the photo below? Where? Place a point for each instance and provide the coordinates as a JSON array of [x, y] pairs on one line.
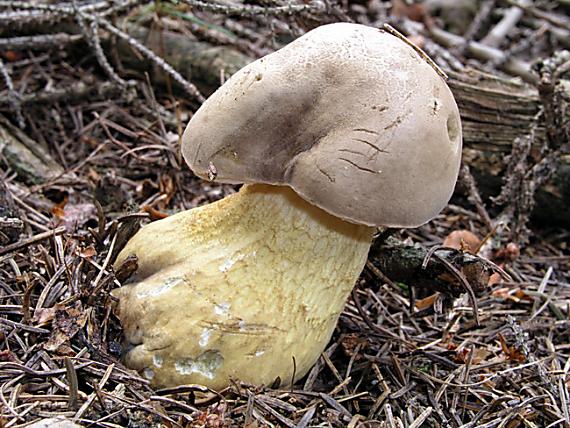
[[90, 124]]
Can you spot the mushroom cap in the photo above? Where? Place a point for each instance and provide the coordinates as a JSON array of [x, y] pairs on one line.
[[351, 117]]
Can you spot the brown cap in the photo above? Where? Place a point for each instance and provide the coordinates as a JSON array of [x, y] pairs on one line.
[[351, 117]]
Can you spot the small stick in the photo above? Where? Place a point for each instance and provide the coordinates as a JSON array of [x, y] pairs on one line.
[[496, 36], [74, 91], [73, 384], [419, 421], [92, 37], [26, 299], [466, 286], [537, 13], [425, 56], [474, 197], [27, 242], [432, 252], [476, 50], [190, 88], [481, 17], [39, 41], [25, 327], [13, 96], [251, 10]]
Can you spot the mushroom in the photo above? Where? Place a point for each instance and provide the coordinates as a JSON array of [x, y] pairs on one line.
[[345, 129]]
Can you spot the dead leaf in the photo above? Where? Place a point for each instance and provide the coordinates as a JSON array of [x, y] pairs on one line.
[[514, 294], [510, 352], [450, 345], [418, 40], [43, 315], [508, 253], [88, 252], [76, 215], [58, 209], [426, 302], [12, 56], [73, 213], [58, 212], [463, 240], [479, 355], [350, 342], [154, 213], [127, 268], [167, 188], [522, 295], [494, 279], [66, 324], [415, 11], [7, 355]]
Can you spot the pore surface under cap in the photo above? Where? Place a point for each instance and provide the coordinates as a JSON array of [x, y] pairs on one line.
[[352, 118]]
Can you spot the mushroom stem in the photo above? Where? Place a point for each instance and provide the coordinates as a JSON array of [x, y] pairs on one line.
[[257, 282]]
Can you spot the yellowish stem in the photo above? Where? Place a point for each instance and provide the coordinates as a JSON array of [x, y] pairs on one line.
[[249, 288]]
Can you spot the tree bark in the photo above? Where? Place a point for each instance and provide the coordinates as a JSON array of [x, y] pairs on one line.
[[494, 112]]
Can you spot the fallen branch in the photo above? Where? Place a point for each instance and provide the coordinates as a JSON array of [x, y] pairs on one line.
[[41, 41], [537, 13], [497, 35], [25, 156], [188, 87], [197, 61], [29, 241], [482, 52], [405, 263], [13, 97], [252, 10]]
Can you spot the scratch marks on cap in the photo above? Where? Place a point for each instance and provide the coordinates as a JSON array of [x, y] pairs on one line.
[[361, 168], [354, 152], [368, 131], [365, 141], [394, 123], [368, 143], [326, 174]]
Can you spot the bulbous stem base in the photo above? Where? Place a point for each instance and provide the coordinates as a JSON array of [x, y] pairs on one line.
[[249, 288]]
